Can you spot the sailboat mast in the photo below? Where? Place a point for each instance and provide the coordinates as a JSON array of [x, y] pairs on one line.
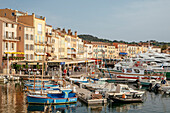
[[42, 70]]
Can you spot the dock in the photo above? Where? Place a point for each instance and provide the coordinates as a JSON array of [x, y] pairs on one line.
[[87, 96]]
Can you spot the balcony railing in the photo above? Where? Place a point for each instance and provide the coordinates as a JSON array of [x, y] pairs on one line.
[[39, 51], [49, 43], [11, 38], [39, 42]]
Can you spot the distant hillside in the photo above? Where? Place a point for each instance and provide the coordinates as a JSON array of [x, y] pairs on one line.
[[86, 37], [92, 38]]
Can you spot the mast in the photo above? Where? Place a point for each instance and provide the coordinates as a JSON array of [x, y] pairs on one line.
[[42, 71]]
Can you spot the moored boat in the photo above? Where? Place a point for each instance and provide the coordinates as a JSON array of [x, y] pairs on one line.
[[66, 96], [125, 94]]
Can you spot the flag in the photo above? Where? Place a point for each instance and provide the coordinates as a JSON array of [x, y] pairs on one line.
[[162, 66]]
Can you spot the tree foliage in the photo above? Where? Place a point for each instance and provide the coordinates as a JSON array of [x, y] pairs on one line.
[[152, 42]]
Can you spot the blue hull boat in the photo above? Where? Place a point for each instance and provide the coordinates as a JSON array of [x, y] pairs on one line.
[[61, 98]]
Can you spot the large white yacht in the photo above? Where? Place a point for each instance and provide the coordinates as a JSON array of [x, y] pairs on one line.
[[150, 63]]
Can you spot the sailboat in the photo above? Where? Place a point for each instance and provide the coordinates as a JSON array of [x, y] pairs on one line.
[[63, 97]]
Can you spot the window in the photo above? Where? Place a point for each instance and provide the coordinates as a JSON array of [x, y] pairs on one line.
[[26, 46], [19, 38], [26, 37], [43, 39], [31, 37], [39, 38], [20, 28], [5, 14], [31, 57], [6, 34], [27, 56], [13, 14], [12, 25], [12, 35], [31, 47], [39, 28], [6, 24], [12, 46], [6, 45]]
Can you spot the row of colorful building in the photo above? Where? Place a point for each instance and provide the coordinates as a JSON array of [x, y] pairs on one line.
[[26, 36]]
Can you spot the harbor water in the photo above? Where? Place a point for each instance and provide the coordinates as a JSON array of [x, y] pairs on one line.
[[13, 100]]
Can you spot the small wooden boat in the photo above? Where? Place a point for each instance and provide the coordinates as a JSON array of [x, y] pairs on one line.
[[81, 80], [127, 100], [125, 94], [59, 98], [148, 82]]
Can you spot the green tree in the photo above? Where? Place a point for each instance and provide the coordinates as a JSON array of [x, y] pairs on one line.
[[26, 66], [164, 47], [38, 67]]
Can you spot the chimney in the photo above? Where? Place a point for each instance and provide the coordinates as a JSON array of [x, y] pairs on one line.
[[75, 33], [63, 30], [58, 29], [69, 31], [16, 18]]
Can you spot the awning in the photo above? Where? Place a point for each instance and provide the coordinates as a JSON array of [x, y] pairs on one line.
[[14, 52], [122, 53]]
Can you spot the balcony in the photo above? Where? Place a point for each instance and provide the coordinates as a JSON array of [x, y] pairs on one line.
[[49, 43], [40, 52], [11, 38], [39, 43]]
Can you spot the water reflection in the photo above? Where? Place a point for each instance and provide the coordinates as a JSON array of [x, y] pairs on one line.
[[12, 99], [124, 107], [64, 108]]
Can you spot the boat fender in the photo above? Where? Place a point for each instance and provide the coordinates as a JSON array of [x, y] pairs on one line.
[[68, 99], [123, 96], [123, 70]]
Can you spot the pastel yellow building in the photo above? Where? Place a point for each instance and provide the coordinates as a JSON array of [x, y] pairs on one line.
[[111, 52], [122, 50], [132, 50], [39, 24], [99, 50]]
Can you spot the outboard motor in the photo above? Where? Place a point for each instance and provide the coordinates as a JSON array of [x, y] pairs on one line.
[[156, 87]]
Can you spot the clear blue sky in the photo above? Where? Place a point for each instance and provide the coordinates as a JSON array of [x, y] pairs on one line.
[[129, 20]]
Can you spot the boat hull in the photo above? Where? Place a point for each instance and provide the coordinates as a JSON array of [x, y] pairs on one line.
[[122, 100], [47, 100]]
